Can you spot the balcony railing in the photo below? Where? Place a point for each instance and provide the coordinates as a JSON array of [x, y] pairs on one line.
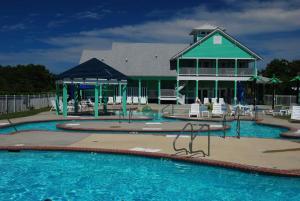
[[212, 71]]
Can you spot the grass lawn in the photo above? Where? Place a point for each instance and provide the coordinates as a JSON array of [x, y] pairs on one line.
[[23, 114]]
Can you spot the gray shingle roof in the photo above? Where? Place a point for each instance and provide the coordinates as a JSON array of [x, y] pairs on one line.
[[137, 59]]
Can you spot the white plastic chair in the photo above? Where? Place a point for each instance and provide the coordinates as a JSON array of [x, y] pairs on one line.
[[110, 100], [129, 100], [194, 110], [118, 99], [143, 100], [206, 101], [135, 100], [214, 100], [217, 110], [221, 101]]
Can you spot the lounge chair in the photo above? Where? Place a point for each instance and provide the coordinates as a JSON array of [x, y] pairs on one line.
[[206, 101], [118, 99], [53, 105], [194, 110], [217, 110], [129, 100], [135, 100], [214, 100], [277, 111], [110, 100], [221, 101], [204, 111], [295, 113], [143, 100]]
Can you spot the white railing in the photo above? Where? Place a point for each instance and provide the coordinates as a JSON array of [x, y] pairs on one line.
[[20, 103], [280, 99], [168, 92], [212, 71]]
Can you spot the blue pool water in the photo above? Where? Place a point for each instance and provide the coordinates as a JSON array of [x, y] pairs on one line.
[[248, 128], [30, 175]]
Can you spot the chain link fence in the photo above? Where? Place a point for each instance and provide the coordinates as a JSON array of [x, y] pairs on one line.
[[280, 100], [20, 103]]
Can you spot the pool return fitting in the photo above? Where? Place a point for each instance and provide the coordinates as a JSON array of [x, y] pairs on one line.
[[193, 134]]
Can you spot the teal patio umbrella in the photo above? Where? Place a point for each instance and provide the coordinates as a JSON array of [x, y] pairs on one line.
[[297, 79], [274, 81]]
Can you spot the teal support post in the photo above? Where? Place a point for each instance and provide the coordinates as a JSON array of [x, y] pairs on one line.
[[158, 91], [177, 91], [197, 67], [255, 67], [235, 92], [216, 81], [76, 98], [124, 89], [120, 89], [57, 99], [140, 90], [65, 104], [235, 81], [197, 89], [96, 105], [80, 92], [177, 82], [100, 93]]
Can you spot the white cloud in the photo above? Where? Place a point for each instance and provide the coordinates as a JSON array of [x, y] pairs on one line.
[[14, 27]]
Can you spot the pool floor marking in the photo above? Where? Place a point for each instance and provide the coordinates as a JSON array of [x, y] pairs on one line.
[[154, 129], [72, 124], [144, 149], [153, 123], [181, 136]]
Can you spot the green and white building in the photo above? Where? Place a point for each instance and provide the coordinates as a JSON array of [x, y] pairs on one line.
[[211, 66]]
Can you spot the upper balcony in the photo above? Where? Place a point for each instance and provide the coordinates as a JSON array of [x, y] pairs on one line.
[[245, 68]]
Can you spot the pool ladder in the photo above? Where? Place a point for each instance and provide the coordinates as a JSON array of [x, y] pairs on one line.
[[12, 125], [238, 122], [193, 134], [122, 115]]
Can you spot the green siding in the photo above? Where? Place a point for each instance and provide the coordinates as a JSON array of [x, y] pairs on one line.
[[208, 49]]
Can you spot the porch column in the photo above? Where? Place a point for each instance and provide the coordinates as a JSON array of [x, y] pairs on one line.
[[76, 98], [197, 87], [57, 99], [177, 82], [158, 91], [235, 82], [255, 67], [65, 104], [124, 89], [140, 90], [100, 93], [197, 73], [96, 111], [120, 89], [177, 91], [216, 81]]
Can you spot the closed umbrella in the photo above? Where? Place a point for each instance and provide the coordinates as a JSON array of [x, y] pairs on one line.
[[254, 79]]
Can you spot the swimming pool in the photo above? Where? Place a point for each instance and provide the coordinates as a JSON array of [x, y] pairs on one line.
[[32, 175], [248, 128]]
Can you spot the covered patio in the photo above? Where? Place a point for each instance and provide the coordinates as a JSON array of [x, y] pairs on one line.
[[92, 74]]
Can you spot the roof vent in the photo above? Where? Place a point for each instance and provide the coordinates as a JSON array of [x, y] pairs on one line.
[[126, 59]]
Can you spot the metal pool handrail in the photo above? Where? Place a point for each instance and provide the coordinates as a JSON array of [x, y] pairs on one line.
[[224, 125], [193, 135], [238, 123], [164, 108], [12, 124]]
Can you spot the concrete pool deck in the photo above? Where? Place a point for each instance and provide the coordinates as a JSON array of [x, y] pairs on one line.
[[275, 156]]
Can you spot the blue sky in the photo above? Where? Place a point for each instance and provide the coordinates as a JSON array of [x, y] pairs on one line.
[[54, 33]]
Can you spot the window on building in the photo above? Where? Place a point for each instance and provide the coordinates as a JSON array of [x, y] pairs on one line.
[[217, 40]]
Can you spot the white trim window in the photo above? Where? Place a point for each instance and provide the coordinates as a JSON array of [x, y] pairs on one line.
[[217, 40]]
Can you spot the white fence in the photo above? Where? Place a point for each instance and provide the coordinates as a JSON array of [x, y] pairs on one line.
[[19, 103], [280, 100]]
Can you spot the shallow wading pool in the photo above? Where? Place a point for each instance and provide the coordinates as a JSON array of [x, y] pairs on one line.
[[248, 128], [33, 175]]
